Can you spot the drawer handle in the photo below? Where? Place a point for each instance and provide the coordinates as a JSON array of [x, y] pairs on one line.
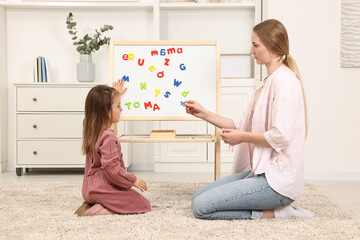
[[34, 126], [34, 99], [35, 152]]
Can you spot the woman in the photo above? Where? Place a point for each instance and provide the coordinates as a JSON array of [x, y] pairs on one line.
[[268, 165]]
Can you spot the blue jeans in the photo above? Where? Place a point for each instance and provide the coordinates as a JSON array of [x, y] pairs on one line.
[[236, 197]]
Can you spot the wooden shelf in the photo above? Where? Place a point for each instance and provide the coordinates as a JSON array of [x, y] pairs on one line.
[[179, 138], [76, 5], [244, 5]]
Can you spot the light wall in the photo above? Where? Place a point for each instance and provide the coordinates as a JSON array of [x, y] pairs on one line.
[[3, 95], [332, 146], [314, 30]]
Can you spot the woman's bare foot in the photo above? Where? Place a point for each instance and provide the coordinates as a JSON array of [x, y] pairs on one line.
[[268, 214]]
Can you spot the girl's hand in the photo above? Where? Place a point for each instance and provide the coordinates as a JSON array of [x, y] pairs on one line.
[[194, 108], [140, 184], [119, 86], [232, 136]]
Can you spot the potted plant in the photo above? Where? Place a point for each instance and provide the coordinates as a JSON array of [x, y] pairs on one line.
[[86, 46]]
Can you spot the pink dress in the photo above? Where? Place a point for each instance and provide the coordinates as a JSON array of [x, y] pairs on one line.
[[106, 180]]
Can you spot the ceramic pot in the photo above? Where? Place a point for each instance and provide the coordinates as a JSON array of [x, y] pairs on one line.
[[85, 69]]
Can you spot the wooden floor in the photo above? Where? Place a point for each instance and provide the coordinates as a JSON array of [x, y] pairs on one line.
[[346, 194]]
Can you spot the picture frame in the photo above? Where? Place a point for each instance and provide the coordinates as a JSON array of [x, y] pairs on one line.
[[236, 66]]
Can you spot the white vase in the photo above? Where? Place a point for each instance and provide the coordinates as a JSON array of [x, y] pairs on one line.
[[85, 69]]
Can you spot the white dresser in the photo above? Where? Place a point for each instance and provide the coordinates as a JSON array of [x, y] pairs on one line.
[[49, 125]]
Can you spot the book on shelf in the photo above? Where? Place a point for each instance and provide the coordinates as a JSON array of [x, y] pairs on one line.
[[40, 70]]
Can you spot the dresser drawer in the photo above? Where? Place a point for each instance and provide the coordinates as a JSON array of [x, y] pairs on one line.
[[51, 98], [49, 126], [60, 152]]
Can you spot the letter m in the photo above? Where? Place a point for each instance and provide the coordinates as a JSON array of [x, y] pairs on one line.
[[148, 104], [125, 78], [155, 52], [171, 50]]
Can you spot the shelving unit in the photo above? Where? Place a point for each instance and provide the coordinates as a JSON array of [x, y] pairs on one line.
[[23, 22]]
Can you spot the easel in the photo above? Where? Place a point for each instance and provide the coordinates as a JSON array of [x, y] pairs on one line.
[[169, 136]]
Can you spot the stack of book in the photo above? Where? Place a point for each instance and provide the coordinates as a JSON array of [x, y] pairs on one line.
[[40, 70]]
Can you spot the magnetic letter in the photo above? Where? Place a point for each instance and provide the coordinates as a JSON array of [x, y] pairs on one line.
[[162, 52], [152, 68], [171, 50], [182, 103], [167, 61], [141, 62], [136, 104], [157, 91], [125, 57], [156, 107], [131, 56], [160, 74], [142, 86], [154, 53], [167, 94], [148, 104], [179, 50], [185, 93], [177, 83], [182, 67], [128, 105], [125, 78]]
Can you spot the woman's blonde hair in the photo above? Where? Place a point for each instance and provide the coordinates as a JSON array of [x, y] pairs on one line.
[[275, 38], [98, 105]]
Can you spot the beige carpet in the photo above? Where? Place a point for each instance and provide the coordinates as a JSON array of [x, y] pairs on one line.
[[46, 211]]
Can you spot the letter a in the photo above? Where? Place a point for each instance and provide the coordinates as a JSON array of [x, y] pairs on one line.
[[156, 107], [185, 93]]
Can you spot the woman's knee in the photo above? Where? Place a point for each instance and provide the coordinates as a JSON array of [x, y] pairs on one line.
[[198, 209]]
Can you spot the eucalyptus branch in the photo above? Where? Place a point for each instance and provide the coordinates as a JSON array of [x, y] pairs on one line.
[[87, 44]]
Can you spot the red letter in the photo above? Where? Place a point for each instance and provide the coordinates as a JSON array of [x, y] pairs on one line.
[[148, 105], [141, 62], [156, 107], [154, 53], [125, 57]]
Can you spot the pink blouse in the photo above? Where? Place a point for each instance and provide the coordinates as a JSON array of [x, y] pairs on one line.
[[280, 115]]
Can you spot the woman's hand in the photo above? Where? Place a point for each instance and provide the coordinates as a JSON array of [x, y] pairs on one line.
[[140, 184], [232, 136], [119, 86], [194, 108]]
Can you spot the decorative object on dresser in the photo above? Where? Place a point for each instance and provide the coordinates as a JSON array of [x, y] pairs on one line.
[[49, 125], [86, 46]]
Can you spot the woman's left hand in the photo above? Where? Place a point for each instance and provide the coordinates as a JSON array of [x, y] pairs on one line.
[[231, 136], [119, 86]]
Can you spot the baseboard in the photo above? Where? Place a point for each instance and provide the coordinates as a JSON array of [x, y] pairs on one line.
[[332, 176]]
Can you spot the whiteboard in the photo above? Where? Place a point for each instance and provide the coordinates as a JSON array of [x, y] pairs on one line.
[[161, 75]]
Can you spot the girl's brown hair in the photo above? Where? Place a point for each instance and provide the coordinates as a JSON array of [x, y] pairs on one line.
[[98, 105], [275, 38]]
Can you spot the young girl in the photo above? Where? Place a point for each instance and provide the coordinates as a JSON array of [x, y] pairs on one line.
[[268, 165], [107, 186]]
